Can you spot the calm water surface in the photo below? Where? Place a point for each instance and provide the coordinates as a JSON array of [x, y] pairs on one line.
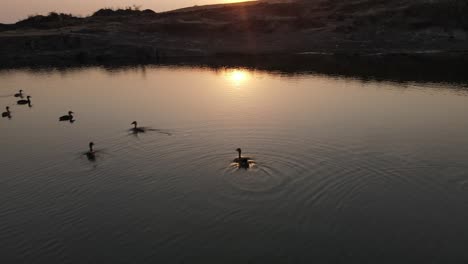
[[347, 171]]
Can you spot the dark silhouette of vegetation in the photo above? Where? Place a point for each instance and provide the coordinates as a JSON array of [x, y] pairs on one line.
[[52, 20], [128, 11]]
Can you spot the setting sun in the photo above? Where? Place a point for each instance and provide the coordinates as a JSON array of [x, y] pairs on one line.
[[234, 1]]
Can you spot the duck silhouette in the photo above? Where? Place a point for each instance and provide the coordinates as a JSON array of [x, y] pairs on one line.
[[137, 129], [7, 113], [19, 94], [68, 117], [243, 162], [24, 102], [91, 154]]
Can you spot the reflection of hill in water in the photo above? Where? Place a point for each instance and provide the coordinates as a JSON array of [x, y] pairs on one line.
[[398, 68]]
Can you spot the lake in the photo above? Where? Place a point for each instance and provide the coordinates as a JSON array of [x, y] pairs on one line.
[[347, 169]]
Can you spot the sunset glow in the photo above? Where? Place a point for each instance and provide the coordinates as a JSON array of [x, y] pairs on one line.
[[237, 76], [235, 1], [12, 11]]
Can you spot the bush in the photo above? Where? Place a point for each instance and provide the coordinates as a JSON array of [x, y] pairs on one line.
[[52, 20], [129, 10]]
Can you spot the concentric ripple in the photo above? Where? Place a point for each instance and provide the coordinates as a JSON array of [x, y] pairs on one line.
[[257, 179]]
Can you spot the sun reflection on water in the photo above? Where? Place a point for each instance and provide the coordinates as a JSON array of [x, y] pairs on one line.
[[237, 77]]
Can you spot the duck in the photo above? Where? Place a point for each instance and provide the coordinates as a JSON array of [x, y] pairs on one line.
[[243, 162], [91, 154], [68, 117], [19, 94], [27, 101], [137, 129], [7, 113]]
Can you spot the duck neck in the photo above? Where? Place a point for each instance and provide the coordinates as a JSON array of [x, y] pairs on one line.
[[240, 154], [135, 124]]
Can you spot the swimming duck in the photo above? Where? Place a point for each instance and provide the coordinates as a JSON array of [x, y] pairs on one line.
[[23, 102], [7, 113], [243, 162], [91, 155], [20, 94], [68, 117], [137, 129]]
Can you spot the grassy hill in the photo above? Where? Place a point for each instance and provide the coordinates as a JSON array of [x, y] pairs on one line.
[[352, 27]]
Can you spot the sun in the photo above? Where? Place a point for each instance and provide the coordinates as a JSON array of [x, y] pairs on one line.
[[234, 1]]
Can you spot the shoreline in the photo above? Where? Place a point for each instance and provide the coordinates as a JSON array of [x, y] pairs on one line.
[[400, 67], [84, 58]]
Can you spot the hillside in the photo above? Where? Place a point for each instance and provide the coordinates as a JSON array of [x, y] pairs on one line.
[[351, 27]]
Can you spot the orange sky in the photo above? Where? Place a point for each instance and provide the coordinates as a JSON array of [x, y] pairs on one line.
[[13, 10]]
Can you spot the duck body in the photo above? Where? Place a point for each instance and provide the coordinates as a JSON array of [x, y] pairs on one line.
[[243, 162], [138, 130], [7, 113], [19, 94], [91, 156], [23, 102], [68, 117]]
